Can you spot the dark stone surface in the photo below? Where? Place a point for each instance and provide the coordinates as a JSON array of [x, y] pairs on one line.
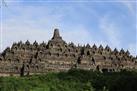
[[57, 55]]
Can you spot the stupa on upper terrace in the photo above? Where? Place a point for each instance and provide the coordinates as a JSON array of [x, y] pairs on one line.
[[57, 55]]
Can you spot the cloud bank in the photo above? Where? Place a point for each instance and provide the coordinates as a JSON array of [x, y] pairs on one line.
[[107, 23]]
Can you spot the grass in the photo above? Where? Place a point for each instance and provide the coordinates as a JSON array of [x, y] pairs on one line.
[[73, 80]]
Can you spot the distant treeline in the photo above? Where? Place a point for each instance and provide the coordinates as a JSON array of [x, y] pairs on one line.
[[73, 80]]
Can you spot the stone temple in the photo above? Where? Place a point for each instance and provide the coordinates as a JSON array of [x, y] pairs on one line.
[[57, 55]]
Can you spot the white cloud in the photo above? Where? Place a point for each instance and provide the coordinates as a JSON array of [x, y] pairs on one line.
[[114, 35], [133, 49], [28, 26], [78, 34], [130, 5], [14, 33], [111, 31], [37, 23]]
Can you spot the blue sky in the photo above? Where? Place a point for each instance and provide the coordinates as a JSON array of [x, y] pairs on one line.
[[106, 22]]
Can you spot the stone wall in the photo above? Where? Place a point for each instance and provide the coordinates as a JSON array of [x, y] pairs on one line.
[[57, 55]]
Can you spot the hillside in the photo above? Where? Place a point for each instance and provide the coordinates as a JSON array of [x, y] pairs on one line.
[[73, 80]]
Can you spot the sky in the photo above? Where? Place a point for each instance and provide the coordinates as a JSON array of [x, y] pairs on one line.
[[106, 22]]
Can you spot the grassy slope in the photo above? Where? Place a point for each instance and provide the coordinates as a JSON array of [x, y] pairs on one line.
[[73, 80]]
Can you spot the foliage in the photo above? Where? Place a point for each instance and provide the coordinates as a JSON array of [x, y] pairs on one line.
[[73, 80]]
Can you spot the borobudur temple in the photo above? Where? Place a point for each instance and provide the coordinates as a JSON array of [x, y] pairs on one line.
[[56, 55]]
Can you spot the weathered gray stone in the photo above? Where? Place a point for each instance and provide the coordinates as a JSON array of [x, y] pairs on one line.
[[57, 55]]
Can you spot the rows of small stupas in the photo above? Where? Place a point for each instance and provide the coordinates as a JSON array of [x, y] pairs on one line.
[[57, 55]]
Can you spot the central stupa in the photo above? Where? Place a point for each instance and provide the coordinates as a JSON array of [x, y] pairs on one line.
[[57, 55]]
